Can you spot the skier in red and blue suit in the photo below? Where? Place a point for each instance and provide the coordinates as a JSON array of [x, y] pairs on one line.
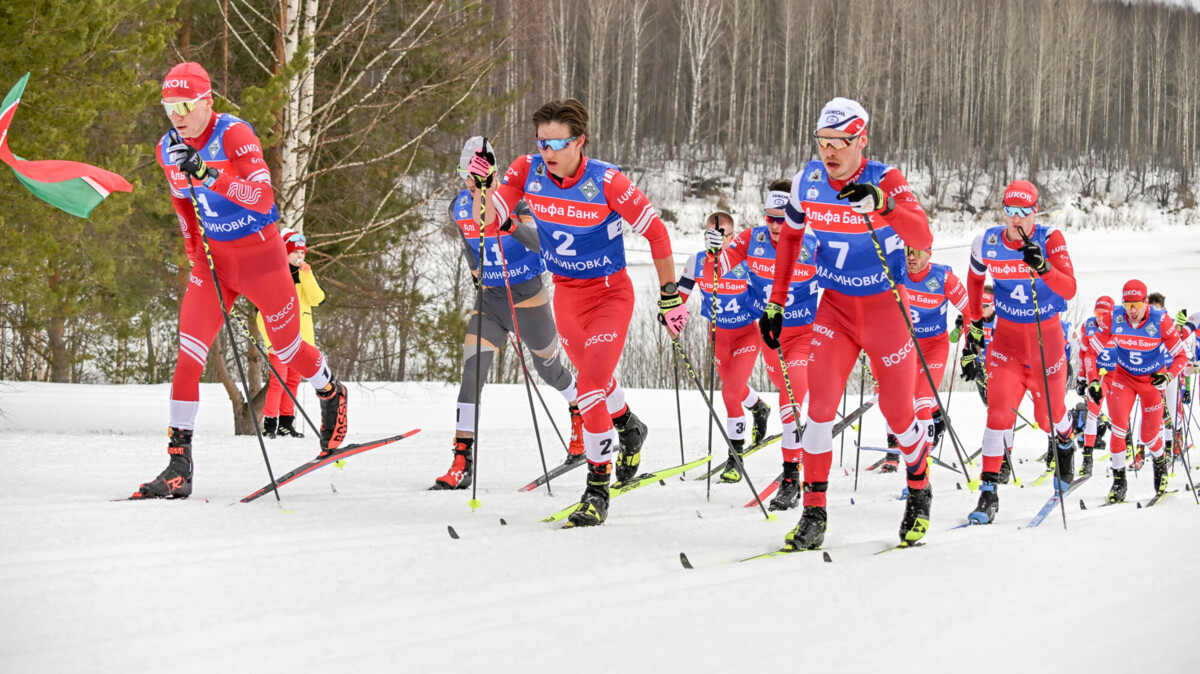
[[834, 198], [932, 288], [1149, 354], [580, 206], [218, 157], [757, 248], [1013, 254], [737, 304], [1101, 362]]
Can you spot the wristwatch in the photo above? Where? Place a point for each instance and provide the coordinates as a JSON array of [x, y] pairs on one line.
[[670, 288]]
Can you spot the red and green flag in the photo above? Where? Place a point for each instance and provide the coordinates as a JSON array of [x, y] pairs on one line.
[[74, 187]]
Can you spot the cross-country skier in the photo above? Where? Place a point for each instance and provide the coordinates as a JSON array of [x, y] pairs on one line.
[[279, 412], [757, 247], [1149, 354], [1172, 417], [581, 206], [738, 303], [218, 156], [515, 253], [1099, 361], [833, 198], [932, 288], [1010, 253]]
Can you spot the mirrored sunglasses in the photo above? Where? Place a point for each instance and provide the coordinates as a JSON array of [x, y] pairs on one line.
[[181, 108], [1018, 211], [555, 144], [775, 219], [836, 143]]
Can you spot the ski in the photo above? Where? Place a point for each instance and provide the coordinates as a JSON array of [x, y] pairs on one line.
[[687, 564], [769, 440], [638, 481], [1156, 499], [567, 466], [339, 454], [1045, 476], [876, 464], [1052, 502], [838, 428], [904, 545]]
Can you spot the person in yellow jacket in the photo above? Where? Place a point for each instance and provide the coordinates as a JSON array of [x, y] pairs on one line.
[[279, 412]]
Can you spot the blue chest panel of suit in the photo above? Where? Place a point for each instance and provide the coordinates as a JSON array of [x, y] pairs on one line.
[[739, 301], [927, 301], [1104, 359], [223, 219], [803, 290], [847, 260], [522, 264], [1012, 288], [580, 235], [1139, 350]]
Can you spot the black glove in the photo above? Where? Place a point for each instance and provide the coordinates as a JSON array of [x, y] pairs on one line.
[[771, 325], [865, 198], [1159, 380], [970, 366], [975, 337], [1186, 395], [189, 161], [1094, 392], [1034, 256], [509, 224], [1081, 386]]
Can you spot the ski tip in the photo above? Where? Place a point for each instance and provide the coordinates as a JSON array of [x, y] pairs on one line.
[[826, 557], [453, 533], [958, 486], [1082, 505], [684, 560], [851, 500], [663, 482], [502, 522], [474, 504], [1139, 505]]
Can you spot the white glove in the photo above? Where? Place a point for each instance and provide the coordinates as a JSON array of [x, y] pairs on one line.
[[713, 240]]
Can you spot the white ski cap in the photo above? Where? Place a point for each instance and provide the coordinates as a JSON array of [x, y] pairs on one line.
[[473, 144], [843, 114], [776, 199]]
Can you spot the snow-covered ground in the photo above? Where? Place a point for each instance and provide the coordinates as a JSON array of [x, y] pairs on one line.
[[357, 570]]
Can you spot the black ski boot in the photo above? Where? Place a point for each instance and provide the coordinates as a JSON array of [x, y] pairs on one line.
[[760, 413], [269, 426], [333, 417], [916, 515], [1005, 469], [732, 473], [891, 462], [1085, 468], [593, 506], [1064, 452], [989, 500], [809, 532], [176, 480], [459, 475], [788, 496], [1117, 493], [287, 426], [1162, 465], [632, 433]]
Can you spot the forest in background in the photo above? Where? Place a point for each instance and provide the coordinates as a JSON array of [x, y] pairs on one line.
[[363, 107]]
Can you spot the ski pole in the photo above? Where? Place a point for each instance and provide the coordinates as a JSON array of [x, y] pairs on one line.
[[483, 204], [887, 272], [713, 416], [842, 452], [679, 410], [250, 336], [862, 390], [1037, 313], [237, 358], [512, 308]]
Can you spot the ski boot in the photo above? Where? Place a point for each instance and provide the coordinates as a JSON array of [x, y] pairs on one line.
[[732, 473], [632, 433], [989, 500], [459, 475], [788, 496], [593, 506], [891, 462], [333, 417], [809, 532], [287, 426], [916, 514], [1065, 458], [176, 480], [575, 450], [1005, 469], [1085, 468], [1162, 465], [269, 425], [1117, 493], [760, 413]]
